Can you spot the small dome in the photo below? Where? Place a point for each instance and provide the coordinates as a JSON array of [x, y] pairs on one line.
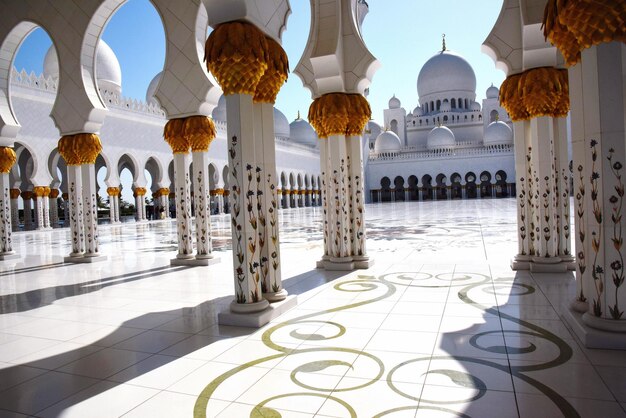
[[281, 125], [303, 133], [476, 106], [387, 141], [445, 106], [498, 133], [219, 113], [418, 111], [394, 103], [374, 129], [492, 92], [108, 71], [440, 137], [152, 87]]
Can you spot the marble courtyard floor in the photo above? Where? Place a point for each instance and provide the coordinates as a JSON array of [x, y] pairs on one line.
[[439, 327]]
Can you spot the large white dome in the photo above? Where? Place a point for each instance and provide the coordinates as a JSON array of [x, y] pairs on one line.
[[108, 71], [498, 133], [444, 72], [303, 133], [387, 141], [440, 137], [281, 125], [150, 99]]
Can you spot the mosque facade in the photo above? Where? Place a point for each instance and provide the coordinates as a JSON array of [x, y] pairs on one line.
[[449, 146], [132, 138]]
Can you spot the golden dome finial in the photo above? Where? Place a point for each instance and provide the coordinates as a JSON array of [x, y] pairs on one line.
[[443, 41]]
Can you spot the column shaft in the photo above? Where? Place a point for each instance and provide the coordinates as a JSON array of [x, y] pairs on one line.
[[15, 215], [183, 206], [75, 210], [90, 209], [243, 201], [267, 203], [201, 203], [5, 215]]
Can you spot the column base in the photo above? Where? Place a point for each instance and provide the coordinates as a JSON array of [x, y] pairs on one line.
[[274, 297], [240, 315], [345, 263], [520, 262], [9, 255], [197, 261], [543, 264], [593, 337], [580, 307], [84, 259]]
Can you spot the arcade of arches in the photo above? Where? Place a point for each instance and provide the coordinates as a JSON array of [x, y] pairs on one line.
[[236, 308]]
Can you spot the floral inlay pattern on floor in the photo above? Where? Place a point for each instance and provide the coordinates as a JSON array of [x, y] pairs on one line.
[[315, 355]]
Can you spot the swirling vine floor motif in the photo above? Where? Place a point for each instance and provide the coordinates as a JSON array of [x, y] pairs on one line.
[[439, 327], [321, 369]]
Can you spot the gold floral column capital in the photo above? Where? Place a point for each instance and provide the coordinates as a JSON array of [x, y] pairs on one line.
[[7, 159], [275, 75], [139, 191], [236, 53], [39, 191], [15, 193], [54, 193], [575, 25], [113, 191], [27, 195], [199, 131], [174, 135], [80, 149], [339, 114], [536, 92]]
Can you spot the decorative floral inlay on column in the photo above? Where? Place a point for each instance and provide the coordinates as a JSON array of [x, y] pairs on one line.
[[596, 237], [616, 200], [580, 212], [521, 201], [273, 211]]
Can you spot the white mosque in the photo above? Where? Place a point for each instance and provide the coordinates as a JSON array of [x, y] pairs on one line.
[[449, 146], [132, 138]]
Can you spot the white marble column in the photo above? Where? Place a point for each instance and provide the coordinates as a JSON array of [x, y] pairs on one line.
[[183, 207], [111, 191], [42, 214], [27, 198], [204, 248], [242, 165], [90, 210], [74, 210], [54, 208], [6, 249], [597, 86], [523, 171], [15, 214], [543, 195], [358, 236], [267, 203]]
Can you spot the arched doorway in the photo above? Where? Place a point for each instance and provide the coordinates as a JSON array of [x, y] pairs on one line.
[[485, 184], [456, 189], [427, 187], [398, 184], [471, 191]]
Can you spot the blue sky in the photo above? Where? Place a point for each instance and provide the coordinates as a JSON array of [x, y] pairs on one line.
[[402, 37]]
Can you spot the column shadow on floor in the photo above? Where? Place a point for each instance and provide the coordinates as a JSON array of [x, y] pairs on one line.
[[14, 397]]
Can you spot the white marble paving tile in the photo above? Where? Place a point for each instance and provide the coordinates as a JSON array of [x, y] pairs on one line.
[[104, 399]]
